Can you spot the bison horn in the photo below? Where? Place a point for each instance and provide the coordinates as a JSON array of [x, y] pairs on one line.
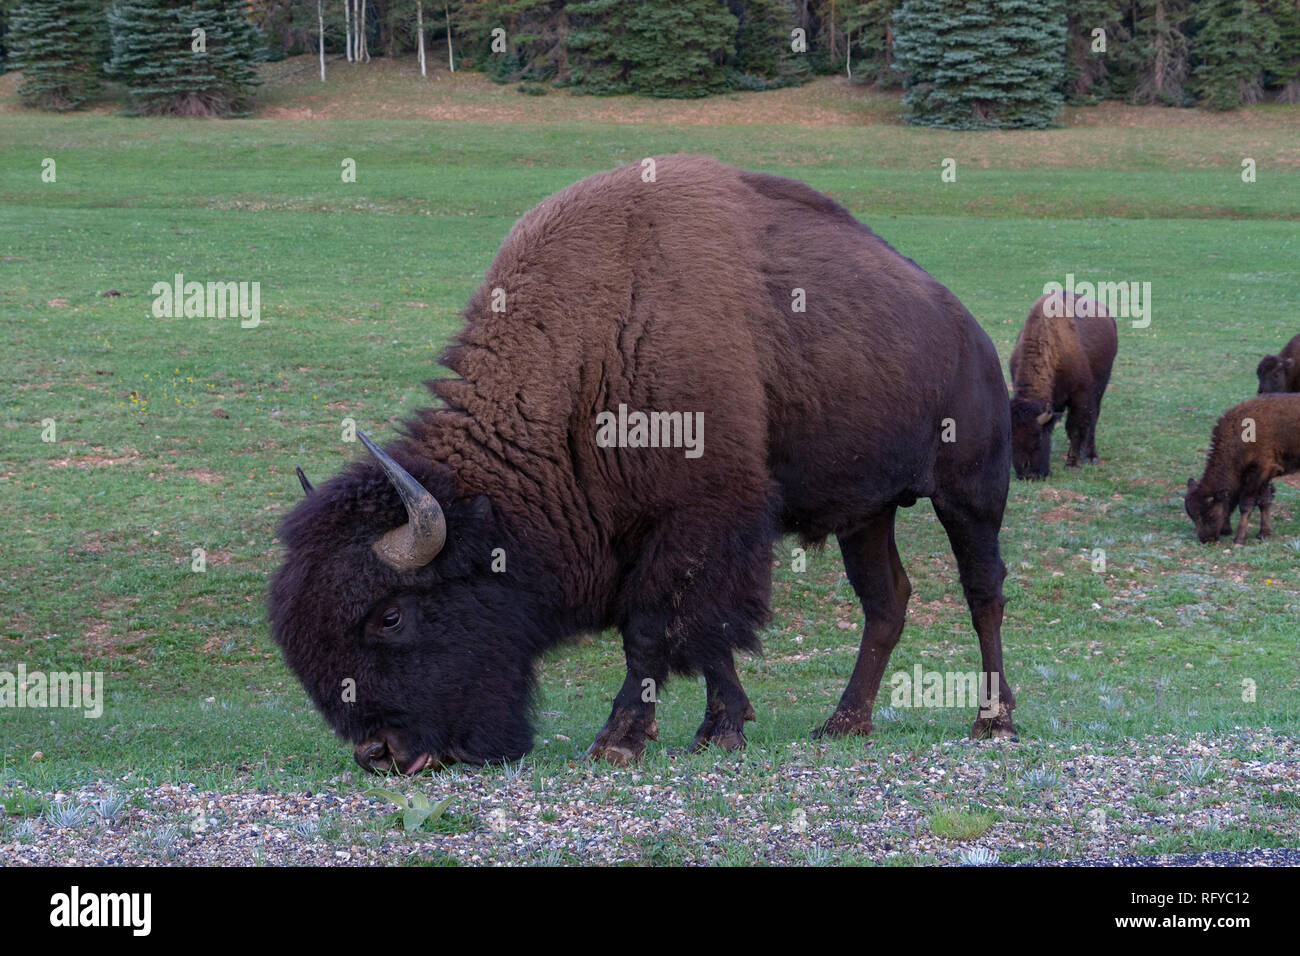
[[417, 542], [1044, 418], [306, 485]]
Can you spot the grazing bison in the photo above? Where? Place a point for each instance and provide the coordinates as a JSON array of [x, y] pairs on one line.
[[837, 380], [1252, 444], [1061, 361], [1281, 372]]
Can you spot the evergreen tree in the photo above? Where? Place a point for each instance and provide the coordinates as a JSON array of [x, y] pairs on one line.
[[764, 58], [870, 25], [1284, 70], [1156, 58], [981, 64], [1235, 44], [1088, 68], [54, 44], [654, 47], [185, 57]]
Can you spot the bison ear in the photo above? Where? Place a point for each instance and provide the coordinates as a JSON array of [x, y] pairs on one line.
[[1191, 484], [1044, 418]]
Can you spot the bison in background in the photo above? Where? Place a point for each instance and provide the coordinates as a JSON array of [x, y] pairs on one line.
[[1252, 444], [1281, 372], [1061, 362], [838, 381]]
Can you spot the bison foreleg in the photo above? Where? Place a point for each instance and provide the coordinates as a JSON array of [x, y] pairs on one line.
[[1243, 526], [1266, 512], [726, 710], [877, 575], [1079, 426], [631, 721]]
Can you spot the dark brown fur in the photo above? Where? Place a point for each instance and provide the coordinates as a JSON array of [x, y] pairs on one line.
[[1061, 363], [1281, 372], [666, 295], [1238, 473]]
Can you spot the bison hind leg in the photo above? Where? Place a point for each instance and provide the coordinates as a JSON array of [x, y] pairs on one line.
[[973, 533], [876, 573], [726, 710]]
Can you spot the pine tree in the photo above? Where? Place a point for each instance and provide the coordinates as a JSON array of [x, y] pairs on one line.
[[1234, 46], [870, 24], [1284, 70], [1157, 55], [182, 58], [670, 48], [54, 44], [981, 64], [764, 58], [1096, 32]]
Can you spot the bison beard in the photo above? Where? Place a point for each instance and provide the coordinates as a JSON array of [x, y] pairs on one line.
[[834, 375]]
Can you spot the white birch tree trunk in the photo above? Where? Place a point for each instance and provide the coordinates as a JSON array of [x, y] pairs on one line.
[[320, 26], [451, 61], [347, 27], [419, 28], [361, 25]]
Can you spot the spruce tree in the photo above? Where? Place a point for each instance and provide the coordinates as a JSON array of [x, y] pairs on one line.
[[764, 58], [54, 44], [170, 69], [981, 64], [654, 47], [1234, 46], [1157, 55], [1089, 69], [1284, 70]]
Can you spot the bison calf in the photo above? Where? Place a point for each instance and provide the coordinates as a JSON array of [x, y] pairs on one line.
[[1061, 362], [1252, 444], [1281, 372]]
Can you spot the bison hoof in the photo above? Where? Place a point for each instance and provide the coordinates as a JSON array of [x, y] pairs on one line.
[[845, 724], [727, 738], [621, 741], [986, 728], [616, 755]]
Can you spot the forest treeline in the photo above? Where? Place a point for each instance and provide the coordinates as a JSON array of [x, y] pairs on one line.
[[959, 63]]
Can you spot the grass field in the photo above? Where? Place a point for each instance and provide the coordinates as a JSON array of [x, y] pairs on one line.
[[175, 434]]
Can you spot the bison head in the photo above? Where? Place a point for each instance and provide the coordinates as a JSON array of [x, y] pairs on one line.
[[1031, 438], [1273, 371], [1209, 511], [388, 611]]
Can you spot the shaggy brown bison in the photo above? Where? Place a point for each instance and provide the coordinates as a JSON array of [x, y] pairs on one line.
[[1252, 444], [1061, 362], [567, 482], [1281, 372]]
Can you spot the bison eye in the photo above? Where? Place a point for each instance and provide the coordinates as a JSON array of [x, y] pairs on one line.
[[392, 619]]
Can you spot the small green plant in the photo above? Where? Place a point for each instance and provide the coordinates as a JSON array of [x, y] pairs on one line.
[[1196, 770], [23, 805], [415, 808], [65, 815], [109, 806], [963, 824], [977, 856]]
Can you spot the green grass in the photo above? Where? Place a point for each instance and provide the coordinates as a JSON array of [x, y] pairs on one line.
[[361, 285]]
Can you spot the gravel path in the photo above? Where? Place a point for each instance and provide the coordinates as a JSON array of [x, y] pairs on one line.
[[1145, 802]]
